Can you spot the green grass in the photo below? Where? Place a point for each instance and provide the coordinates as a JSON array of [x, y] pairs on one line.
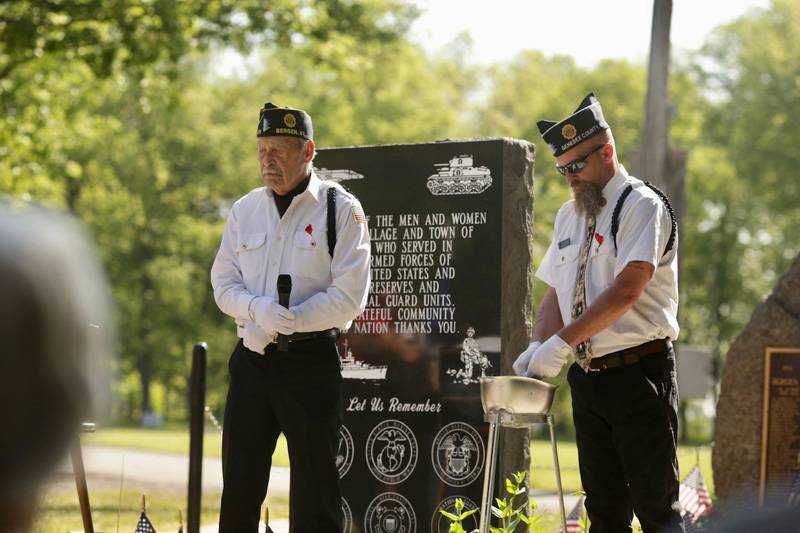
[[176, 440], [59, 510], [543, 477], [172, 440]]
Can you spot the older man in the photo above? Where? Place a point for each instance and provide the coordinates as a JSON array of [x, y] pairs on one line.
[[285, 371], [612, 298]]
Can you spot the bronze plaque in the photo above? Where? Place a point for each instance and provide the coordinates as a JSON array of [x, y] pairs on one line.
[[780, 441]]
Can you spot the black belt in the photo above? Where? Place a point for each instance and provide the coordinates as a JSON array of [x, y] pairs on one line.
[[629, 356], [332, 333]]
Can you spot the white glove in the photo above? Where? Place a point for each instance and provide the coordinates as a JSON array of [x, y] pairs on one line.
[[520, 366], [272, 317], [549, 358], [255, 338]]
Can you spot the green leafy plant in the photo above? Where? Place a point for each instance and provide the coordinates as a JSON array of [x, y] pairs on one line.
[[455, 525], [507, 511]]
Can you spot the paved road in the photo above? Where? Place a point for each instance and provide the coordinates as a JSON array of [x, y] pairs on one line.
[[167, 470]]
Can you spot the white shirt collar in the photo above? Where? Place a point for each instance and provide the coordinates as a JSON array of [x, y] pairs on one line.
[[313, 188], [616, 182]]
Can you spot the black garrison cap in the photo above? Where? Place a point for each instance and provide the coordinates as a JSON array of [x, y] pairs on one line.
[[583, 123], [274, 120]]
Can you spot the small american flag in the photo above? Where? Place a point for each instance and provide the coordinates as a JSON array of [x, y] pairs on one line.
[[693, 495], [144, 525], [358, 214], [574, 523], [794, 491]]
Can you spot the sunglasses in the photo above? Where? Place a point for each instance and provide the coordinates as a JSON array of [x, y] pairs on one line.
[[574, 167]]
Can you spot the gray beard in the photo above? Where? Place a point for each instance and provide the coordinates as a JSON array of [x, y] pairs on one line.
[[589, 201]]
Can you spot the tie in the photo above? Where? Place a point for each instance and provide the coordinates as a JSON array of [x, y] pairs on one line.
[[583, 351]]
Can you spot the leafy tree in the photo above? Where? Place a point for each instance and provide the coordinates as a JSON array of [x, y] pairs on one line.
[[107, 115], [745, 207], [532, 87], [111, 110], [109, 34]]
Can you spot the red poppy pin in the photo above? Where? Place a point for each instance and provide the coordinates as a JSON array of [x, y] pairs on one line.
[[599, 239], [310, 231]]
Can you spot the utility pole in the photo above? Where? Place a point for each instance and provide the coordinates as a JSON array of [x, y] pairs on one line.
[[656, 162], [655, 137]]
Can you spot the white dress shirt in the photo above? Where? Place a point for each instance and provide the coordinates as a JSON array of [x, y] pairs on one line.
[[258, 245], [644, 229]]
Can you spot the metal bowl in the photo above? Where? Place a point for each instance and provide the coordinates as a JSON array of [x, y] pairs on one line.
[[517, 395]]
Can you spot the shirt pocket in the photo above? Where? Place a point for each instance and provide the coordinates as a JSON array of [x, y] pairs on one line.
[[251, 250], [566, 269], [601, 265], [310, 257]]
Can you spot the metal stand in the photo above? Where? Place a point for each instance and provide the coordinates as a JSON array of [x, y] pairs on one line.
[[505, 418]]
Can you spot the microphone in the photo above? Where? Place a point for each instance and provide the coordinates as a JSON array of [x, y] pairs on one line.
[[284, 289]]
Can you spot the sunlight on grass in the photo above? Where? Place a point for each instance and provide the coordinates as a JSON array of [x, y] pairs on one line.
[[543, 477], [59, 510], [175, 441]]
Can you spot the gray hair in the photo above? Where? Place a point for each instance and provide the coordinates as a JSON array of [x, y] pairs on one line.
[[56, 336]]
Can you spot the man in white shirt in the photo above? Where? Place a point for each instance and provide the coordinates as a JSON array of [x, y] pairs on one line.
[[612, 301], [285, 374]]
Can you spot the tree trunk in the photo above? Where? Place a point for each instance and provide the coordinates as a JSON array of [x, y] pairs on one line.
[[720, 298], [145, 375]]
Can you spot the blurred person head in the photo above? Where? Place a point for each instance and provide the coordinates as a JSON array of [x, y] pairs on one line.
[[285, 147], [56, 335]]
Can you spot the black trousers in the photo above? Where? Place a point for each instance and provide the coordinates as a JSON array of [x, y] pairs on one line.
[[626, 424], [297, 393]]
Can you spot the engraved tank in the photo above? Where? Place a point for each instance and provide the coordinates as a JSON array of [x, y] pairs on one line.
[[459, 176]]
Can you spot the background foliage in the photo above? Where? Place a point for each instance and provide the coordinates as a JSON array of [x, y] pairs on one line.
[[117, 111]]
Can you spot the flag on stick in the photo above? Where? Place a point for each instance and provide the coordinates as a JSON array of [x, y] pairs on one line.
[[693, 496], [574, 524], [144, 525]]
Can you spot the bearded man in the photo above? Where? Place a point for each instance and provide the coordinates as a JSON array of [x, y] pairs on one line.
[[612, 302]]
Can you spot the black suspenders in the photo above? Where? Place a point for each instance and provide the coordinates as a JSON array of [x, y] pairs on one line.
[[617, 208], [331, 220]]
